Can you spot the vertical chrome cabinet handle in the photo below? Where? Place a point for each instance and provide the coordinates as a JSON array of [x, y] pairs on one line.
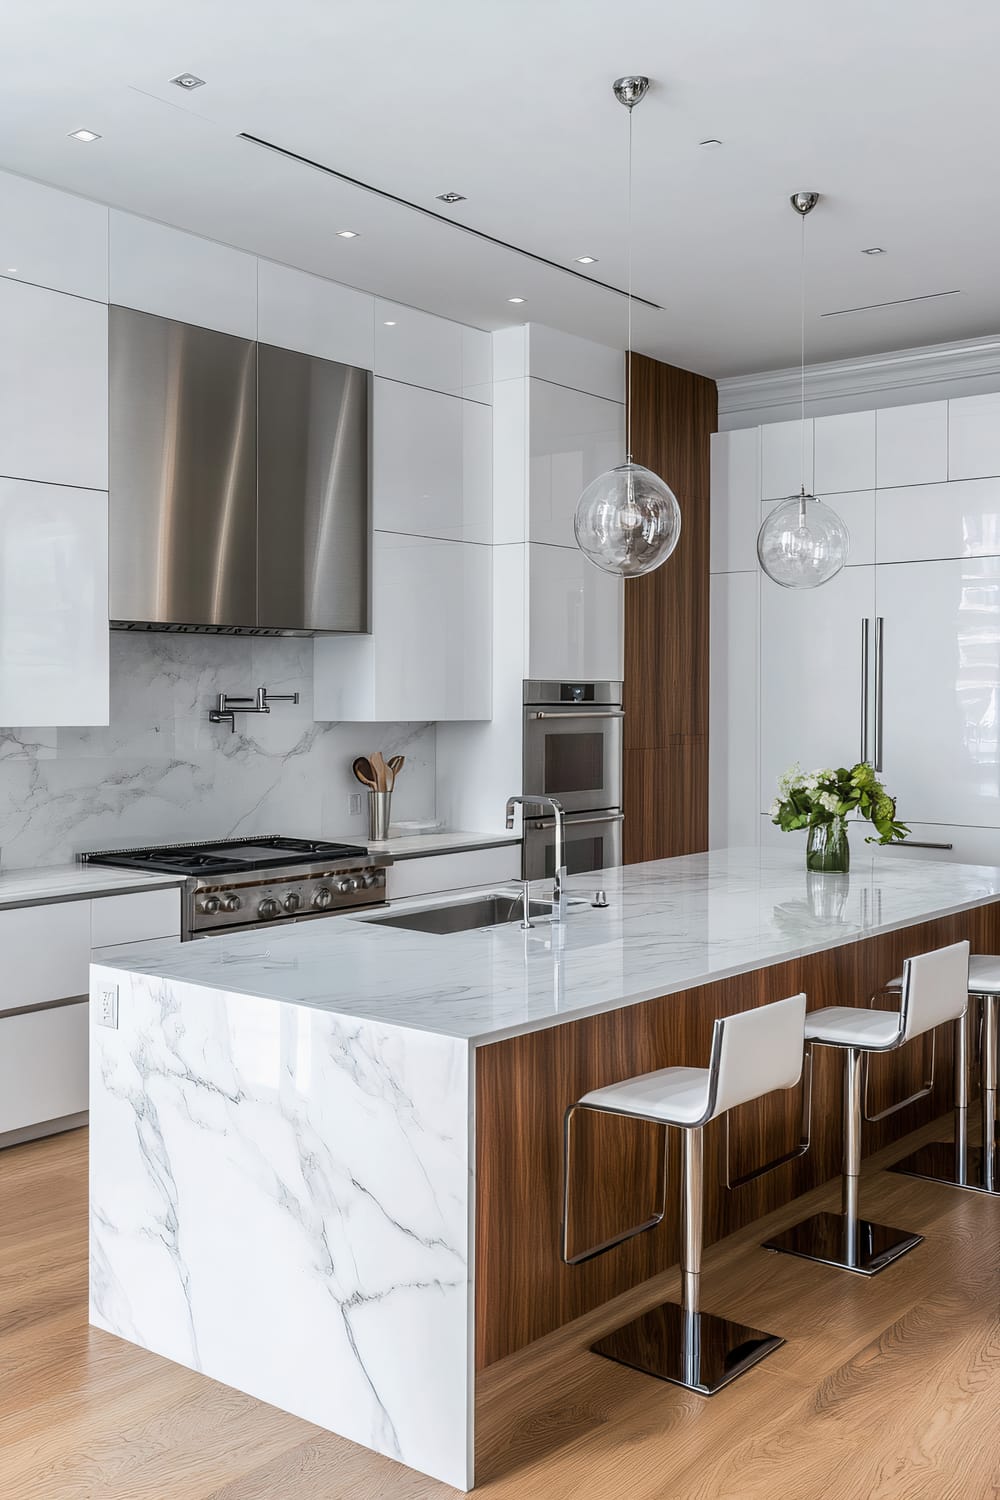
[[864, 689], [879, 684]]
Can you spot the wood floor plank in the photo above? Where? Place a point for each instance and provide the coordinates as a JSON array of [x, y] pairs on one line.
[[887, 1388]]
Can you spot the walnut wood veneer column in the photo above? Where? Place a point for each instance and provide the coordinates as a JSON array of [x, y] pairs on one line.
[[665, 766]]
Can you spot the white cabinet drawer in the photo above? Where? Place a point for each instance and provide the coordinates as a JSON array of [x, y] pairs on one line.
[[46, 953], [43, 1065], [450, 872], [135, 918]]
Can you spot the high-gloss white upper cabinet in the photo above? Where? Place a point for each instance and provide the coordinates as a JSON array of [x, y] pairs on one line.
[[844, 453], [53, 605], [314, 316], [911, 444], [811, 703], [927, 521], [433, 352], [160, 270], [786, 459], [573, 437], [53, 239], [429, 655], [941, 689], [575, 616], [565, 359], [974, 437], [432, 471], [53, 387], [736, 513]]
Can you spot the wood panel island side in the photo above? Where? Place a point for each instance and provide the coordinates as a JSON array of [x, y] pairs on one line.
[[326, 1161]]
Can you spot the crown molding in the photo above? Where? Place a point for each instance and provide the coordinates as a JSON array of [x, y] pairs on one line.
[[848, 380]]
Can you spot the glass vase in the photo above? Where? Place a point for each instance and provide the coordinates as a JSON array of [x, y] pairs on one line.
[[827, 850]]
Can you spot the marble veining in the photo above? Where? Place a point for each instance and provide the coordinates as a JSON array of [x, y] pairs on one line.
[[670, 925], [160, 772], [280, 1200]]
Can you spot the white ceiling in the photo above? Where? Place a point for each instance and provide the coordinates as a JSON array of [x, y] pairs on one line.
[[887, 107]]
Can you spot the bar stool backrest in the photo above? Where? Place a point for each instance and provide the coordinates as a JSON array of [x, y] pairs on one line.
[[756, 1052], [935, 988]]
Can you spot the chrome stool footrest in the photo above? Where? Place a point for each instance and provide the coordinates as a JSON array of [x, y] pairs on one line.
[[694, 1349], [852, 1244]]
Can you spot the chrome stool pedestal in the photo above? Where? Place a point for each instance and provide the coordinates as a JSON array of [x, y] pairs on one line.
[[934, 991], [752, 1054], [957, 1163], [682, 1344]]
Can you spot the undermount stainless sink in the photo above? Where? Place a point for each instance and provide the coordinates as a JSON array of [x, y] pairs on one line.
[[465, 916]]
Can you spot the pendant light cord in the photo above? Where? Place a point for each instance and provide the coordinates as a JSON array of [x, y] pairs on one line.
[[802, 359], [628, 340]]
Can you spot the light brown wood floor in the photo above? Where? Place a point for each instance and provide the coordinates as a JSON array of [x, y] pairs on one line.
[[887, 1387]]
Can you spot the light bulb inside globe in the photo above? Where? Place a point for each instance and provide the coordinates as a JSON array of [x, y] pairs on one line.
[[627, 521], [802, 543]]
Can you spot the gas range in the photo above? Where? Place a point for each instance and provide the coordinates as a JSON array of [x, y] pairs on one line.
[[235, 884]]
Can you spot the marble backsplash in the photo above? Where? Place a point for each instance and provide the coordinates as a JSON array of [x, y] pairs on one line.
[[160, 772]]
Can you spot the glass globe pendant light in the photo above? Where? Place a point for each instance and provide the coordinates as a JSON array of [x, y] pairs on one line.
[[628, 521], [802, 542]]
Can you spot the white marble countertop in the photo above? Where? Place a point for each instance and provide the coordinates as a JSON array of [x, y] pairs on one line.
[[670, 925], [441, 841], [75, 882]]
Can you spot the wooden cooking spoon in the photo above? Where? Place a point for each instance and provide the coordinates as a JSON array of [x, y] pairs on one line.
[[380, 770], [396, 764], [363, 770]]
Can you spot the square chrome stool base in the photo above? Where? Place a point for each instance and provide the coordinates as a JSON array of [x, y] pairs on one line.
[[828, 1239], [938, 1163], [696, 1350]]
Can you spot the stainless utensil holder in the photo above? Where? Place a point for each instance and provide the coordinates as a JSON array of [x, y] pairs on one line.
[[379, 804]]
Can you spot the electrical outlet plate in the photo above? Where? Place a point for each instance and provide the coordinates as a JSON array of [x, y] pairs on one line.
[[107, 1008], [354, 804]]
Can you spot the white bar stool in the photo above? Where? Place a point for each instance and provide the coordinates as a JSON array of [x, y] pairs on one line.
[[752, 1054], [976, 1168], [934, 991]]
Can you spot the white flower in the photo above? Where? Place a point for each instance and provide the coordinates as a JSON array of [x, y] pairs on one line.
[[829, 801], [775, 808]]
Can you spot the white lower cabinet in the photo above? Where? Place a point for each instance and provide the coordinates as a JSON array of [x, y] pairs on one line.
[[969, 846], [430, 655], [43, 997], [452, 872], [43, 1066], [53, 605]]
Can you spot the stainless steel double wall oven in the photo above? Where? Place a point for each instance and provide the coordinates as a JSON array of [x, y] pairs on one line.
[[572, 750]]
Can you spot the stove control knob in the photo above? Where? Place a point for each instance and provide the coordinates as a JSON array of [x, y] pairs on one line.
[[347, 884], [322, 898], [209, 905], [268, 908], [370, 879], [231, 903], [292, 901]]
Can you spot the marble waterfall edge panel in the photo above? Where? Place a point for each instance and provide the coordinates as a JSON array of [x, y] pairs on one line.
[[280, 1199]]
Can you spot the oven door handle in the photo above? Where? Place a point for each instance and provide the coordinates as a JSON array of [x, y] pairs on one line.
[[574, 820], [577, 713]]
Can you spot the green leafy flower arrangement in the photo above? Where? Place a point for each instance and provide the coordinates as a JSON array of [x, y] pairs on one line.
[[807, 799]]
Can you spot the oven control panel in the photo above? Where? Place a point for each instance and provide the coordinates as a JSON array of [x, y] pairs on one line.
[[266, 899]]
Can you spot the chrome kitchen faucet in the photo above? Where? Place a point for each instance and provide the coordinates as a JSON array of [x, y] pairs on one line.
[[559, 879]]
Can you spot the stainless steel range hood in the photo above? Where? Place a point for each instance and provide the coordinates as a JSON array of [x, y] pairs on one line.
[[239, 484]]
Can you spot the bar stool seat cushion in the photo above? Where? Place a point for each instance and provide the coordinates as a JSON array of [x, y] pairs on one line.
[[677, 1096], [854, 1026], [984, 974]]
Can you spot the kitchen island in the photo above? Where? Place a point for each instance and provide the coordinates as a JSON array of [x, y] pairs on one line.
[[326, 1160]]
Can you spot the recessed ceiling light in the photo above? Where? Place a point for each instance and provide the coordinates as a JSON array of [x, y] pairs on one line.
[[711, 144], [515, 299], [585, 260], [188, 81], [347, 234], [451, 197], [84, 135], [389, 323], [873, 250]]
